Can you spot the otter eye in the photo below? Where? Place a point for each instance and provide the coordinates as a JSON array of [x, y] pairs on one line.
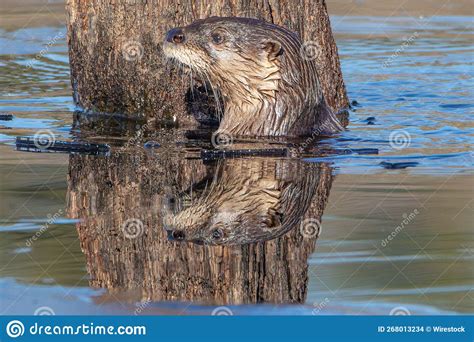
[[217, 234], [217, 38]]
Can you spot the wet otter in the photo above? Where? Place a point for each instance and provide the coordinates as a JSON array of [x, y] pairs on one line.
[[267, 85], [247, 201]]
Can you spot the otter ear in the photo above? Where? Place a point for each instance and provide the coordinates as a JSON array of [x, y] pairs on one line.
[[273, 49]]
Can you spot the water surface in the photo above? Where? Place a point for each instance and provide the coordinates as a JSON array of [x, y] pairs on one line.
[[412, 80]]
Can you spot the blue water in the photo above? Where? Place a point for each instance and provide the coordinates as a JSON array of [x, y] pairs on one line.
[[413, 76]]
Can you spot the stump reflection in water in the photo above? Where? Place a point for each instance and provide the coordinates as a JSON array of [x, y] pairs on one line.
[[120, 201]]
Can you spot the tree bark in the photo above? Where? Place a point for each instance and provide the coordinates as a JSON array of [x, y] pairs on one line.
[[117, 65], [104, 193]]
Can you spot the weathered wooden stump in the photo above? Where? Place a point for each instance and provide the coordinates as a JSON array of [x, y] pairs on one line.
[[117, 64], [108, 194]]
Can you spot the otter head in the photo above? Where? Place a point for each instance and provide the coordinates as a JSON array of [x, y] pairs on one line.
[[225, 49], [216, 226], [247, 201], [269, 86], [241, 57], [229, 214]]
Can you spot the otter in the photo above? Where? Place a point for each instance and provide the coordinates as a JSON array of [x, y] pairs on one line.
[[267, 85], [247, 201]]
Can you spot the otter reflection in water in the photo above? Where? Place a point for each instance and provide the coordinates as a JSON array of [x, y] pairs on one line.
[[247, 200], [119, 200]]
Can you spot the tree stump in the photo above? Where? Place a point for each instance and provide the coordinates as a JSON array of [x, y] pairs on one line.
[[117, 65], [109, 194]]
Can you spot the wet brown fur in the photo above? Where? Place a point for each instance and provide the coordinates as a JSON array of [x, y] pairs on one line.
[[267, 85], [248, 200]]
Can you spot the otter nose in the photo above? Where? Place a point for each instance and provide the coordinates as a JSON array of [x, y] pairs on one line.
[[178, 235], [175, 35]]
